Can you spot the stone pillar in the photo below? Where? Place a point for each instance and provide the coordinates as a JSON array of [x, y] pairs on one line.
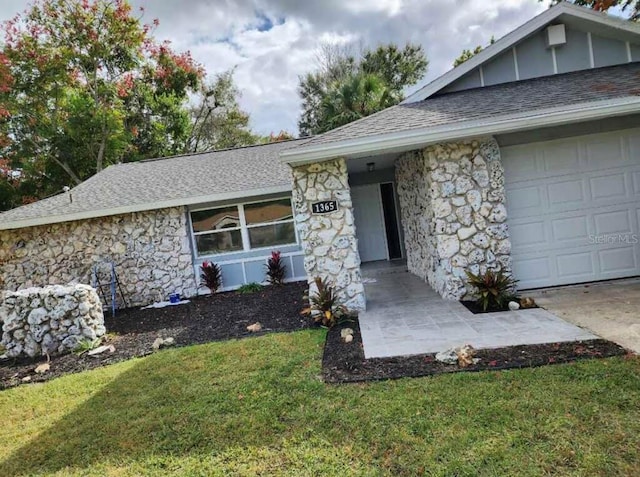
[[329, 240], [452, 202]]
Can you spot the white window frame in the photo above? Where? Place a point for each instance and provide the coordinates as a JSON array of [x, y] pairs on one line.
[[244, 228]]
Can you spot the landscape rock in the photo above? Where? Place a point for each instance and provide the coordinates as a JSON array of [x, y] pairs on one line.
[[42, 368], [161, 343], [101, 349], [254, 328], [514, 305], [449, 356]]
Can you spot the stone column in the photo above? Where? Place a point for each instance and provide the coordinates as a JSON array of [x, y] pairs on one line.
[[329, 240], [452, 200]]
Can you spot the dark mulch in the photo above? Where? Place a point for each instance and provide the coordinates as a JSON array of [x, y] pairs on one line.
[[345, 362], [475, 308], [207, 318]]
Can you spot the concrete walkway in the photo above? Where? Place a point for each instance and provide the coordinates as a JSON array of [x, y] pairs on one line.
[[405, 316], [609, 309]]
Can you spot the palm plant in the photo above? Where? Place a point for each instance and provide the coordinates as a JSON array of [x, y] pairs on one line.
[[359, 96]]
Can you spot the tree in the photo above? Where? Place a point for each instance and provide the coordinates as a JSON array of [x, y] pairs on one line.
[[360, 95], [83, 85], [342, 74], [630, 7], [280, 137], [217, 120], [468, 54]]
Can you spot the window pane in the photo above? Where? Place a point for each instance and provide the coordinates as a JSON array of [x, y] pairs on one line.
[[271, 235], [265, 212], [215, 219], [219, 242]]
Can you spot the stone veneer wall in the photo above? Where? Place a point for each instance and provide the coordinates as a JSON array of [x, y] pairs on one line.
[[329, 240], [452, 202], [150, 250]]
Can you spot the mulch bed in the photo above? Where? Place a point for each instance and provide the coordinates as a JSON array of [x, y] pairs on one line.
[[475, 308], [205, 319], [345, 362]]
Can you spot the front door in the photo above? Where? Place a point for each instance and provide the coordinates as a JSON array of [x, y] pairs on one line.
[[369, 218]]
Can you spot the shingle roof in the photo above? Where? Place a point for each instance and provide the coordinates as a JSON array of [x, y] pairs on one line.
[[148, 184], [493, 102]]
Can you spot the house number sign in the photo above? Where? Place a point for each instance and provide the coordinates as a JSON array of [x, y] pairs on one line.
[[324, 207]]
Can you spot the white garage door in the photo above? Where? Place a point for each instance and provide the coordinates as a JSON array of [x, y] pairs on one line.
[[574, 208]]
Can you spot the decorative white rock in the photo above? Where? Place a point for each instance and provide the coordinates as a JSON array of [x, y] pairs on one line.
[[514, 305], [64, 317]]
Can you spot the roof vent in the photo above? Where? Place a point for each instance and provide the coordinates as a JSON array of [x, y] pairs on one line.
[[556, 35]]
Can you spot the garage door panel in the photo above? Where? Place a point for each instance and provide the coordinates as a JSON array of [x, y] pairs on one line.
[[613, 222], [570, 229], [617, 260], [605, 151], [525, 198], [561, 158], [532, 269], [524, 165], [574, 212], [529, 233], [578, 265], [566, 193], [608, 186]]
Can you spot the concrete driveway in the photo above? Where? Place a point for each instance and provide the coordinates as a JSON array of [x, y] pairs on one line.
[[609, 309]]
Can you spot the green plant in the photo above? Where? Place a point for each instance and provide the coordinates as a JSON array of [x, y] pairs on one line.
[[86, 345], [324, 306], [276, 270], [211, 275], [494, 289], [250, 288]]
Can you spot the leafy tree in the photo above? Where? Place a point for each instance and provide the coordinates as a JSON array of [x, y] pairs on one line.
[[468, 54], [281, 136], [83, 84], [217, 120], [360, 95], [346, 85], [630, 7]]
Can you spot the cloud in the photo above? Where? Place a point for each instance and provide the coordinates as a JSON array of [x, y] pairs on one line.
[[272, 42]]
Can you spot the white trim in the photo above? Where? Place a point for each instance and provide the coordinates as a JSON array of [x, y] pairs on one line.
[[517, 35], [404, 140], [515, 63], [481, 70], [142, 207], [592, 61], [628, 45], [244, 233], [554, 58]]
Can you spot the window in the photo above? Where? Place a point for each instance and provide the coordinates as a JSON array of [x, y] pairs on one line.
[[243, 227]]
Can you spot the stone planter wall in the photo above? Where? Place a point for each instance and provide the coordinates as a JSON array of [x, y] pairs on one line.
[[49, 320], [452, 202], [150, 250], [328, 240]]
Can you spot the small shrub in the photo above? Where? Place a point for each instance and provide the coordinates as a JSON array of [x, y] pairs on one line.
[[211, 275], [86, 345], [494, 289], [276, 269], [324, 306], [250, 288]]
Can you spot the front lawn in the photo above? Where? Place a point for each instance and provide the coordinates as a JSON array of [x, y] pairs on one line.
[[259, 407]]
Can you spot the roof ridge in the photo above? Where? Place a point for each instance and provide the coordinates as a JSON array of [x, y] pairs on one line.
[[226, 149]]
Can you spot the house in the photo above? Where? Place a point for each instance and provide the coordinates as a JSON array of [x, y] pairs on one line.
[[524, 158]]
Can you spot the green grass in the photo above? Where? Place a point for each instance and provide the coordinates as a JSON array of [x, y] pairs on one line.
[[258, 407]]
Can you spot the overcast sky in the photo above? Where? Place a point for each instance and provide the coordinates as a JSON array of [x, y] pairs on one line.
[[271, 42]]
